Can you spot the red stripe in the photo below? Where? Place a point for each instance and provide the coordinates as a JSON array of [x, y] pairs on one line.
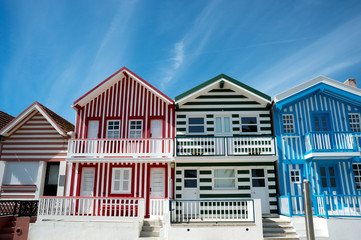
[[34, 159], [17, 196], [35, 148], [33, 154], [18, 186], [18, 191], [33, 143]]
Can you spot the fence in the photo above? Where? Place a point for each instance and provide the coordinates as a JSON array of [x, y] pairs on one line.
[[18, 208]]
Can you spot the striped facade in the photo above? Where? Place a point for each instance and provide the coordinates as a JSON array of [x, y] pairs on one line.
[[335, 101], [122, 98], [216, 101], [30, 144]]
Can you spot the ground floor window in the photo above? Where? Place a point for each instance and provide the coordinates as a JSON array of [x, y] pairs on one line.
[[224, 179], [121, 180], [21, 173], [357, 173], [295, 176]]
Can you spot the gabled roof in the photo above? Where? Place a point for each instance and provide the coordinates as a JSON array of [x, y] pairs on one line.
[[221, 77], [5, 119], [320, 84], [110, 80], [59, 123]]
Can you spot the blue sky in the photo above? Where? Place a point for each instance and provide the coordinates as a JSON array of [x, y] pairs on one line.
[[55, 51]]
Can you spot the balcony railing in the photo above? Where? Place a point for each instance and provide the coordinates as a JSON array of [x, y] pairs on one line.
[[132, 147], [237, 210], [90, 208], [18, 208], [330, 142], [224, 146]]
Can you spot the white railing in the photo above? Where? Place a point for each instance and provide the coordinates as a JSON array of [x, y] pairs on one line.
[[212, 210], [90, 208], [132, 147], [158, 206], [330, 141], [338, 205], [224, 146], [291, 205]]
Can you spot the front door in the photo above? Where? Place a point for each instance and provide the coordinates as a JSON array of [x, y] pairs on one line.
[[51, 179], [156, 129], [328, 179], [93, 129], [190, 193], [321, 122], [157, 183], [87, 190], [259, 188]]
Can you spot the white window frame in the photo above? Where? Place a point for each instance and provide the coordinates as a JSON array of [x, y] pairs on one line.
[[294, 177], [256, 124], [121, 180], [357, 175], [223, 133], [227, 178], [112, 130], [354, 124], [289, 117], [138, 132], [190, 125]]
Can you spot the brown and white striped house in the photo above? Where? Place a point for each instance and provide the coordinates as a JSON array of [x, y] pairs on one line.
[[33, 151]]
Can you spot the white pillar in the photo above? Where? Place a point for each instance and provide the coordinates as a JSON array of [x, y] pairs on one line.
[[135, 179], [40, 179], [69, 175], [107, 180], [140, 179], [75, 179], [102, 182], [98, 176], [145, 180], [2, 172], [61, 178]]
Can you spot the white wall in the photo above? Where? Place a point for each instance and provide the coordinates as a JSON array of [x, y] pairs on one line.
[[89, 230]]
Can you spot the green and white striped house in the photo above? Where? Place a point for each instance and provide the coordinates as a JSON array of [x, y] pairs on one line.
[[224, 143]]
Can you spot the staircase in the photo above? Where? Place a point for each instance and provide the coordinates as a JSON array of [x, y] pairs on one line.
[[7, 232], [278, 228], [151, 229]]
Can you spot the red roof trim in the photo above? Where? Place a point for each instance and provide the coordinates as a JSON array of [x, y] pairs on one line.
[[124, 69]]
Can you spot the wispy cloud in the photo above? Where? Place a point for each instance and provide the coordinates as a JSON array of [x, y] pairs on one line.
[[177, 61]]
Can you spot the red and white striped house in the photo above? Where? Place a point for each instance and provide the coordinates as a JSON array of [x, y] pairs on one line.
[[122, 152], [33, 151]]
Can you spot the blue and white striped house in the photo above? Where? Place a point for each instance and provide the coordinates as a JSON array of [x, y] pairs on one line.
[[317, 125]]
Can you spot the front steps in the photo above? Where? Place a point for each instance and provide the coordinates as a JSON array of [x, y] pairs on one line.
[[278, 228], [151, 229], [8, 231]]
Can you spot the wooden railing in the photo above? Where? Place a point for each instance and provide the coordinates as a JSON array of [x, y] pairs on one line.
[[330, 142], [224, 146], [237, 210], [90, 207], [132, 147]]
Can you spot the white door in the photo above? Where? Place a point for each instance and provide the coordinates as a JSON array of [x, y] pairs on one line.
[[93, 128], [156, 129], [87, 190], [190, 192], [157, 183], [260, 188]]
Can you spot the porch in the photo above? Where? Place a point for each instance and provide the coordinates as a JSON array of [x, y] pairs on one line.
[[325, 205], [224, 146]]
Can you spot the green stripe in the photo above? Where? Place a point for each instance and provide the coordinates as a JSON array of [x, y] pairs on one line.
[[181, 123], [243, 179], [237, 129], [221, 96], [271, 179], [223, 164], [235, 115], [221, 90], [181, 116], [270, 171], [178, 180], [178, 187], [265, 115], [205, 187], [181, 129], [205, 172], [271, 187], [223, 103], [178, 196], [273, 203], [265, 122], [274, 211], [210, 129], [272, 195], [209, 115], [178, 172], [205, 179], [210, 122], [243, 171], [265, 128], [244, 187], [235, 122], [225, 195], [222, 109]]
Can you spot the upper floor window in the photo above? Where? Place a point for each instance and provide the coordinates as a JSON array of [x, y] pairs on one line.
[[249, 125], [121, 180], [295, 176], [113, 129], [196, 125], [288, 123], [136, 129], [354, 120], [224, 179], [357, 173], [223, 125]]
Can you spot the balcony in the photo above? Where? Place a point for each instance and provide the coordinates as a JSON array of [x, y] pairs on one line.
[[132, 147], [224, 146], [339, 143]]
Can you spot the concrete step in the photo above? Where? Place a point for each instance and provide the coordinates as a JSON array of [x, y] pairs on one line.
[[8, 230], [149, 234], [277, 225], [282, 237], [150, 238], [151, 228], [152, 223], [279, 230], [275, 220]]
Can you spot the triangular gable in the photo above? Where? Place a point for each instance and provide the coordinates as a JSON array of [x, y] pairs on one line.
[[101, 87], [5, 119], [61, 125], [320, 84], [218, 82]]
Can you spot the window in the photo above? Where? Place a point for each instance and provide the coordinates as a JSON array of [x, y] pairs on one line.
[[295, 176], [258, 178], [288, 123], [136, 129], [357, 173], [21, 173], [224, 178], [113, 129], [196, 125], [354, 120], [190, 178], [223, 125], [121, 178], [249, 125]]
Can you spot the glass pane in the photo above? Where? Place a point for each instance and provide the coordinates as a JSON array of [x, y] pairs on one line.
[[323, 171], [125, 185], [190, 173], [53, 174], [249, 128], [331, 171], [116, 185], [218, 125], [195, 120], [227, 124], [257, 172], [117, 174], [196, 129], [324, 182], [126, 175], [190, 183], [249, 120], [258, 182], [333, 182], [224, 183], [225, 173]]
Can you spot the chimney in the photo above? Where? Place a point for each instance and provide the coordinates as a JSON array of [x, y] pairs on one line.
[[351, 82]]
